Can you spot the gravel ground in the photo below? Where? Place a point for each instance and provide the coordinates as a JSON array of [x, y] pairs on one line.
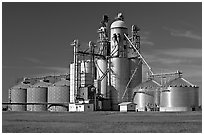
[[101, 122]]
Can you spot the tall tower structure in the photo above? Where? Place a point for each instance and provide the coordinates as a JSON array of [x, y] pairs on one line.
[[119, 63], [102, 63]]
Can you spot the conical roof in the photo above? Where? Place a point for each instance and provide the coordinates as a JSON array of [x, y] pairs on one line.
[[42, 84], [179, 82], [149, 84], [21, 85], [62, 82]]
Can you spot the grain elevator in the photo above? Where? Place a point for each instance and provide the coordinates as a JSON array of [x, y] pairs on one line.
[[104, 76]]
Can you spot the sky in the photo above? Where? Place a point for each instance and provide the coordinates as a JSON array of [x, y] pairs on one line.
[[36, 37]]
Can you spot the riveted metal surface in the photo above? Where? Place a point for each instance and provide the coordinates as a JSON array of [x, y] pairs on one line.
[[58, 94], [37, 95], [18, 95]]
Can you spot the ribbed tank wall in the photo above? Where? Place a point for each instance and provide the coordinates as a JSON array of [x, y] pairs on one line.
[[119, 80], [37, 95], [18, 95], [137, 78], [175, 97], [101, 70], [58, 94], [143, 99]]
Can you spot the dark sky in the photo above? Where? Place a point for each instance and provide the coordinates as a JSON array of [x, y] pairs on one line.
[[36, 36]]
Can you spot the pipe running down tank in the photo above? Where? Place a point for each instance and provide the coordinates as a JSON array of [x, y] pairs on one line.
[[122, 65]]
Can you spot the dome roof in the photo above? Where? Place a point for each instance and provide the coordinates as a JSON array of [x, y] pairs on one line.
[[118, 24], [177, 82]]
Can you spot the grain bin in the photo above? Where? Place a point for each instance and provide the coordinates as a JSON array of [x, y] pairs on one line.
[[179, 95], [144, 95], [58, 95], [101, 66], [119, 80], [37, 94], [18, 94]]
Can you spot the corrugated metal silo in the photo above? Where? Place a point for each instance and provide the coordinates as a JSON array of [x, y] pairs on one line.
[[179, 95], [18, 94], [101, 66], [119, 80], [144, 94], [37, 94], [58, 94]]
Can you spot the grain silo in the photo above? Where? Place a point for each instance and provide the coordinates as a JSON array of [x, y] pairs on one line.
[[179, 95], [37, 94], [58, 96], [119, 62], [18, 94], [101, 66], [144, 95]]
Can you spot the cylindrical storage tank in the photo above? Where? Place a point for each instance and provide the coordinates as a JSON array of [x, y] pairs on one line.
[[143, 99], [18, 94], [144, 95], [179, 95], [119, 80], [101, 67], [118, 40], [58, 95], [37, 94], [137, 78], [86, 66]]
